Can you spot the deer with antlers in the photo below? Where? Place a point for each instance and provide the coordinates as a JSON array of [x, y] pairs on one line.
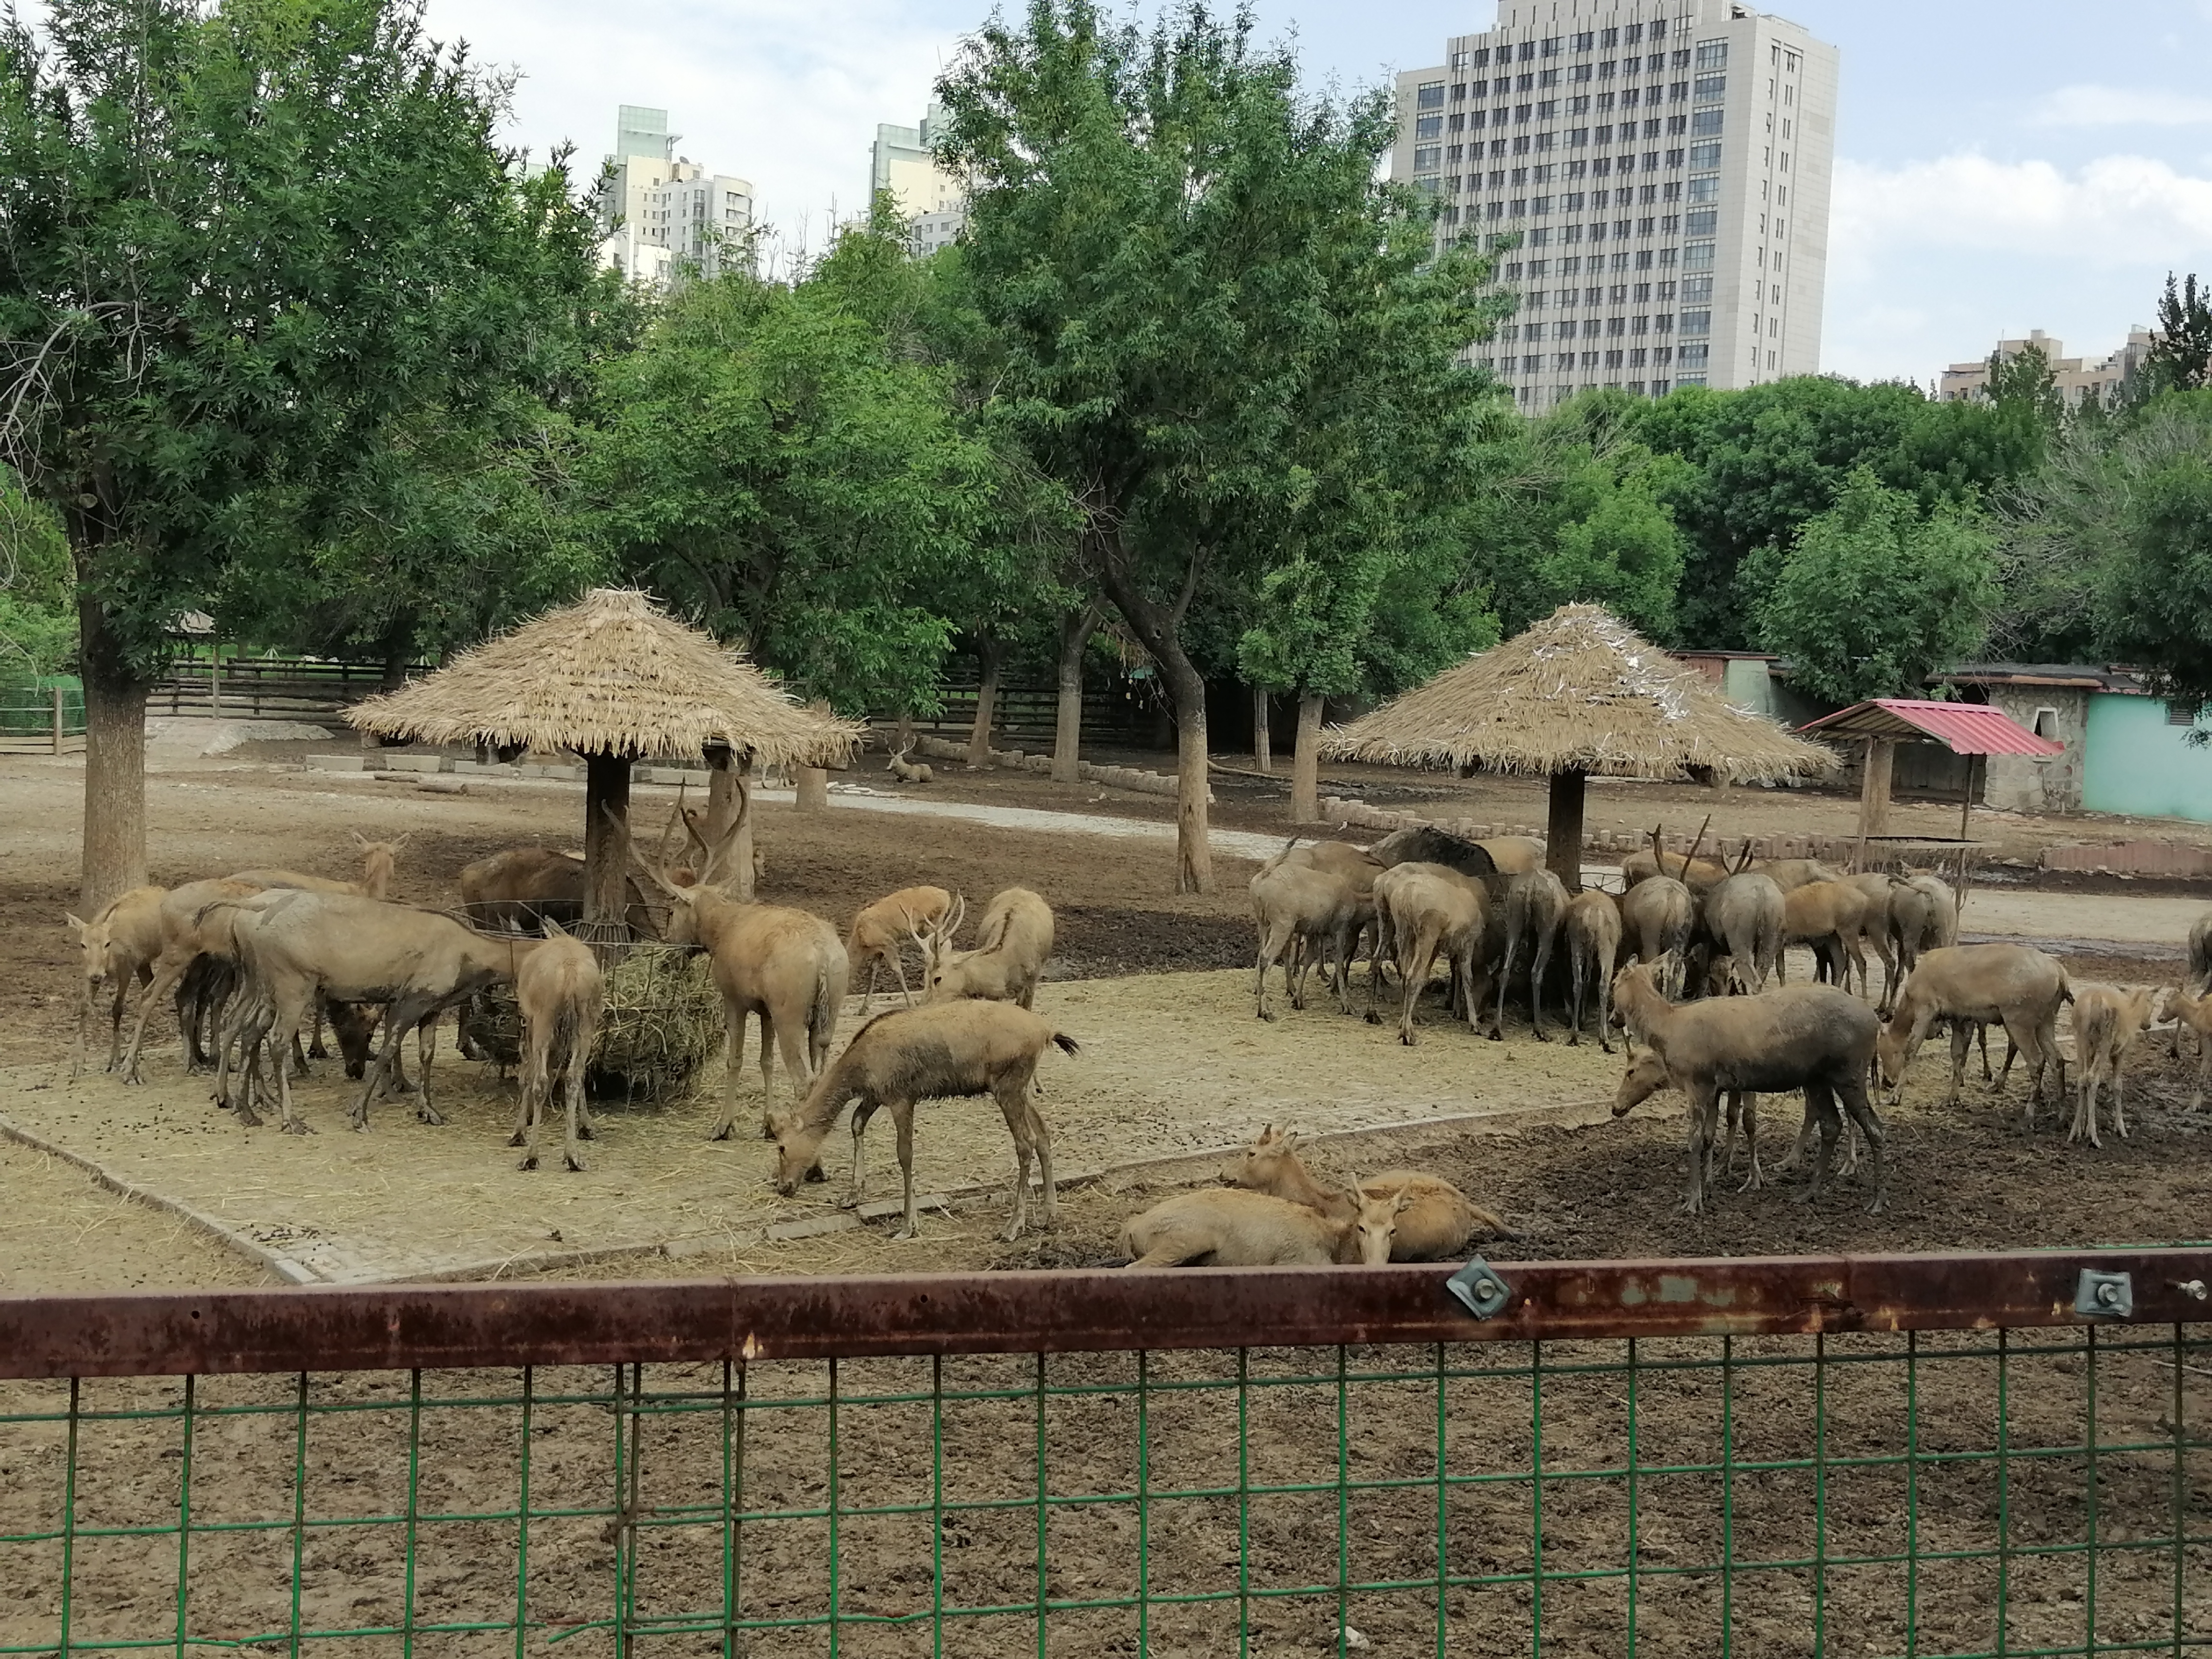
[[1013, 941], [880, 930], [787, 966]]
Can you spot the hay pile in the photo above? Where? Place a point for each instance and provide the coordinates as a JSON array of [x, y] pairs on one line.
[[663, 1022]]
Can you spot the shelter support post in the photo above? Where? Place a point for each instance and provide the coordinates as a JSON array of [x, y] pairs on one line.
[[606, 837], [1874, 786], [1563, 832], [813, 781], [1974, 765]]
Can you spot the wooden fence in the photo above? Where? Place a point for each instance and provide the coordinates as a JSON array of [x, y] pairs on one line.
[[1026, 716], [266, 688], [44, 720]]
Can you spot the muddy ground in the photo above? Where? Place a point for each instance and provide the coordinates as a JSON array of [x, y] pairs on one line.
[[1966, 1175]]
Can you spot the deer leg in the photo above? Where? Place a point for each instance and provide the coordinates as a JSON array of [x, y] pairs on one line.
[[898, 967], [1704, 1104], [733, 1055], [1504, 979], [578, 1054], [767, 1063], [1853, 1094], [395, 1026], [1538, 966], [1041, 1139], [2203, 1072], [1013, 1097], [1756, 1178], [1962, 1038], [2120, 1094], [168, 971], [902, 1115], [532, 1084], [1575, 959], [1820, 1101], [861, 1114]]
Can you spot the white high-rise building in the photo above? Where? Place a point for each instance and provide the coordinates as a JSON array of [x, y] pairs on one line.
[[932, 200], [1655, 175], [663, 213]]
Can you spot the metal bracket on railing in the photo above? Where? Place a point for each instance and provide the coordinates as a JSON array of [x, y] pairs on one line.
[[2104, 1296], [1478, 1286], [2190, 1287]]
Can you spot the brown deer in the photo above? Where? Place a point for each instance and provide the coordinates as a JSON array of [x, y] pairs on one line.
[[1229, 1227], [1013, 942], [1695, 873], [1431, 1225], [2013, 985], [377, 859], [879, 930], [1593, 935], [939, 1051], [2107, 1020], [1658, 915], [786, 966], [562, 993], [1427, 911], [117, 946]]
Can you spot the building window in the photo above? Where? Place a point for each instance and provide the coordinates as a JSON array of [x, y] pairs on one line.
[[1429, 126], [2178, 712], [1544, 140], [1711, 88], [1430, 96], [1699, 222], [1481, 56], [1428, 157], [1632, 34], [2045, 725], [1608, 38], [1694, 355], [1712, 54], [1706, 123], [1697, 290], [1696, 322], [1579, 72], [1705, 188]]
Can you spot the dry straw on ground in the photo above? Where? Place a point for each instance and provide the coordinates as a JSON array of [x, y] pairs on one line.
[[1580, 691]]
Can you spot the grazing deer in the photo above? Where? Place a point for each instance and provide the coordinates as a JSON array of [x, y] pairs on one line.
[[1593, 932], [1658, 916], [939, 1051], [2013, 985], [1693, 872], [879, 930], [562, 994], [1426, 911], [1536, 904]]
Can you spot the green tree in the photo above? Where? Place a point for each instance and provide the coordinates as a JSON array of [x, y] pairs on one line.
[[2025, 379], [1159, 228], [248, 243], [2180, 358], [2153, 601], [771, 459], [1872, 594], [37, 611]]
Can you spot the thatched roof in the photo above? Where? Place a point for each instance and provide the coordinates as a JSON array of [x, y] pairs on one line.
[[1579, 691], [611, 675]]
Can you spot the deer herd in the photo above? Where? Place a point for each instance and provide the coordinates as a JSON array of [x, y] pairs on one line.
[[1688, 961]]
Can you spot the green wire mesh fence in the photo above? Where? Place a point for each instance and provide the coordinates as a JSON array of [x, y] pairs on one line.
[[1893, 1455]]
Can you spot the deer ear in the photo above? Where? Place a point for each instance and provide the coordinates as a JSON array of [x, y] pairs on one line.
[[403, 840], [1405, 1200], [78, 924]]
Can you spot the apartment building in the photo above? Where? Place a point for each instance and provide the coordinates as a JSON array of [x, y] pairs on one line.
[[1654, 177], [663, 214], [2101, 379], [933, 200]]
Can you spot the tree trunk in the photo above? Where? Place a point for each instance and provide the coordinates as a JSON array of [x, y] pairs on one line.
[[1305, 763], [813, 794], [1158, 629], [1194, 850], [1263, 745], [1075, 628], [606, 837], [986, 699], [1563, 835], [114, 764]]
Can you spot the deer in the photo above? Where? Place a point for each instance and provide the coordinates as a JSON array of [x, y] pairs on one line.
[[519, 889], [1658, 916], [1923, 916], [1742, 917], [903, 770], [787, 966], [1426, 910], [879, 929], [2107, 1020], [1647, 1074], [1593, 934], [939, 1051], [295, 945], [1695, 873], [562, 994], [377, 858], [1535, 901], [2195, 1011], [1875, 887], [1358, 867], [1813, 1038], [1013, 942], [1789, 874], [1302, 902], [120, 945], [1229, 1227], [2199, 980], [1431, 1225], [1831, 917], [2014, 985], [183, 946]]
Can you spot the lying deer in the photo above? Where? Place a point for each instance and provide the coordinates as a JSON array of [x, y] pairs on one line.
[[940, 1051], [377, 859], [1431, 1225], [1229, 1227], [903, 770]]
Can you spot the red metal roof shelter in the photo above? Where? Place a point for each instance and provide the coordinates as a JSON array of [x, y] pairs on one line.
[[1965, 728]]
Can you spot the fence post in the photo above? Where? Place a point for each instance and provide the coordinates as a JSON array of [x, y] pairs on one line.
[[58, 720], [214, 680]]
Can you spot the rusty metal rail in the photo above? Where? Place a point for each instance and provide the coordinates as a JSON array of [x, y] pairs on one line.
[[424, 1326], [1959, 1455]]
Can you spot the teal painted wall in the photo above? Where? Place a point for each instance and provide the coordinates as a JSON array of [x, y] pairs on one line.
[[2135, 762]]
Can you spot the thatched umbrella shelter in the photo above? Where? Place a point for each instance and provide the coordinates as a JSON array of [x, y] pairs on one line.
[[1580, 695], [617, 681]]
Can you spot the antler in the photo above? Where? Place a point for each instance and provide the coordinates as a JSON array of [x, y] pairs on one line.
[[651, 873], [1690, 855], [667, 831]]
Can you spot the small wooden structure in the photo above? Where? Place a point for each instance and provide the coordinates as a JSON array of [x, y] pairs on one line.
[[617, 681], [1971, 729], [1580, 695]]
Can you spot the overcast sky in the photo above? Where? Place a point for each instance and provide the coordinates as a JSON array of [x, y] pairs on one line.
[[2002, 165]]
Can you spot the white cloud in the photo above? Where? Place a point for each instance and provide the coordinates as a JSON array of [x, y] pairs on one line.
[[2121, 107], [2113, 211], [786, 92]]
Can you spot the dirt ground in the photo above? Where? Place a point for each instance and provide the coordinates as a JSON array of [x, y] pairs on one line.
[[1174, 1062]]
